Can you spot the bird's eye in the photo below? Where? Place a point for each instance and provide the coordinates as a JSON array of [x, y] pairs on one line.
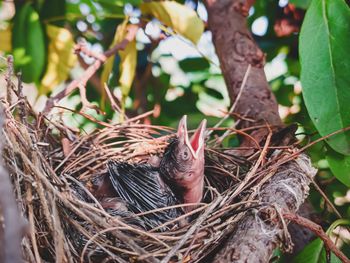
[[185, 155]]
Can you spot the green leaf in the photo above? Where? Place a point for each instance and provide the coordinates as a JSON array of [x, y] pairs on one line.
[[314, 253], [54, 10], [301, 3], [336, 223], [116, 7], [73, 8], [112, 7], [194, 64], [325, 66], [340, 166], [285, 95], [180, 18], [213, 93], [28, 44], [119, 3]]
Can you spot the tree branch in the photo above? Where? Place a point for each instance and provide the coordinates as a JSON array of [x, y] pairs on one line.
[[319, 232], [259, 232], [236, 50]]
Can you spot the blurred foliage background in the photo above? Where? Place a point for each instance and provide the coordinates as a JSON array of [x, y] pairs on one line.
[[169, 70]]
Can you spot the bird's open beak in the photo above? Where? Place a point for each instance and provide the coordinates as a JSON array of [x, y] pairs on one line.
[[196, 142], [198, 138]]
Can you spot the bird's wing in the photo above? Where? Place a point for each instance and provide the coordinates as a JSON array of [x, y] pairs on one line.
[[141, 187]]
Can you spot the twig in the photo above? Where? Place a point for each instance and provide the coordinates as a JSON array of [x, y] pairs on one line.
[[99, 245], [89, 117], [329, 202], [319, 232], [298, 152], [301, 150], [139, 117], [58, 234], [68, 155], [180, 218], [90, 71], [31, 222], [8, 78], [228, 114], [111, 99], [81, 47], [219, 140], [253, 170], [85, 190], [66, 147], [22, 105], [39, 187], [248, 136], [192, 229], [143, 233], [94, 80], [13, 224]]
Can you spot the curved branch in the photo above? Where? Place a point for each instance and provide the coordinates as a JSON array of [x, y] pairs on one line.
[[261, 231], [236, 50]]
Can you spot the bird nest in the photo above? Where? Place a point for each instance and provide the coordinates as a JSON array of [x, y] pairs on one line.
[[50, 165]]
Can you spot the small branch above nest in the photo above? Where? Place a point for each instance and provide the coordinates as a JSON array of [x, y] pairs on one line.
[[91, 70]]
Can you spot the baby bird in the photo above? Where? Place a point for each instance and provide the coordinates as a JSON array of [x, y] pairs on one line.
[[178, 179]]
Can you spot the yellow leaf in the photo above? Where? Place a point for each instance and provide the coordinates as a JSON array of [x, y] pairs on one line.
[[182, 19], [6, 38], [61, 58], [128, 60], [108, 66], [127, 67]]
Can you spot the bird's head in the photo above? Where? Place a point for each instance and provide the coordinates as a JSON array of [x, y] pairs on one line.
[[183, 160], [190, 150]]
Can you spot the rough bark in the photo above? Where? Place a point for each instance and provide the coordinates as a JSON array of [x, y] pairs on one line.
[[302, 236], [236, 50], [261, 231]]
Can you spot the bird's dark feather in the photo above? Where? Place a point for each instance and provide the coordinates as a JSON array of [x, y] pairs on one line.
[[169, 165], [169, 162], [143, 190]]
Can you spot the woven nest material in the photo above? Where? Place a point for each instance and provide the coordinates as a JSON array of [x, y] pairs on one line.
[[66, 228]]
